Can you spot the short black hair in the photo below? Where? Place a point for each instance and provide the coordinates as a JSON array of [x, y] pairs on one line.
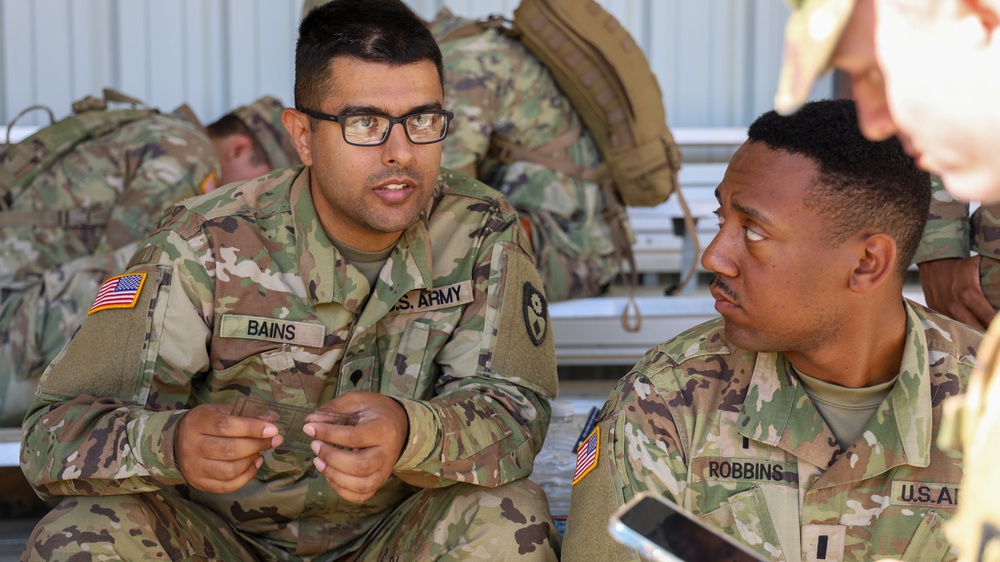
[[381, 31], [230, 125], [860, 184]]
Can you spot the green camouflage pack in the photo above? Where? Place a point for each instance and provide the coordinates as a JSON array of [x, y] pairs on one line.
[[243, 294], [732, 436], [498, 89], [76, 198]]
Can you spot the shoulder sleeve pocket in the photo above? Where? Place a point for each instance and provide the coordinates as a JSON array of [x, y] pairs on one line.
[[104, 357]]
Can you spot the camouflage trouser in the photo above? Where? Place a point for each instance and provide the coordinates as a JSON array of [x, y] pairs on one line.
[[459, 522], [989, 279]]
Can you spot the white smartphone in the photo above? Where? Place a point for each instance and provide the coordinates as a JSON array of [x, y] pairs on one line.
[[663, 532]]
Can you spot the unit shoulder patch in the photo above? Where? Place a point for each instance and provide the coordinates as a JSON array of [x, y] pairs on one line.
[[536, 314]]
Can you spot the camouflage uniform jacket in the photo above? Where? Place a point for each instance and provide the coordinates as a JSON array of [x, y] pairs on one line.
[[972, 423], [245, 295], [732, 436], [497, 88], [951, 233], [50, 274]]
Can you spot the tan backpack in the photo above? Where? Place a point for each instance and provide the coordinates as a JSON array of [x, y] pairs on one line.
[[606, 77]]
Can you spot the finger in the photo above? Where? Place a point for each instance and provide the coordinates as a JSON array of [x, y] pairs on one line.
[[221, 478], [358, 463], [215, 419], [231, 449], [346, 436], [351, 488], [982, 310], [238, 426]]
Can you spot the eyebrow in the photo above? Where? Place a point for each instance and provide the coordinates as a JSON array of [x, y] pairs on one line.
[[748, 211], [372, 109]]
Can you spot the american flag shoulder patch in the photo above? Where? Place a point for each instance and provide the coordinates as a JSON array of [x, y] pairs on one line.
[[121, 291], [586, 455]]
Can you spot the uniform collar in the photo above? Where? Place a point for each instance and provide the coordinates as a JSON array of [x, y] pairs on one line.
[[328, 278], [778, 412]]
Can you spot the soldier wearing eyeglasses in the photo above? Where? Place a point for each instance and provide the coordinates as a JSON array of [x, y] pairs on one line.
[[348, 360]]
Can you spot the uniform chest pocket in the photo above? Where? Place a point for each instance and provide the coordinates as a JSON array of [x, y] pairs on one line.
[[413, 371], [265, 376], [928, 543], [746, 518]]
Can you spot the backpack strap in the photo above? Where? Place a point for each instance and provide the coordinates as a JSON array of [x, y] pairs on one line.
[[691, 230], [20, 164], [550, 155], [21, 158], [38, 152], [71, 218]]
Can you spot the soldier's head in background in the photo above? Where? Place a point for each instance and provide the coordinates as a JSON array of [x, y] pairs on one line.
[[817, 227], [368, 118], [925, 70], [252, 141]]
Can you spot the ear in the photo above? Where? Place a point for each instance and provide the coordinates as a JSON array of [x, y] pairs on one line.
[[297, 125], [236, 147], [876, 262]]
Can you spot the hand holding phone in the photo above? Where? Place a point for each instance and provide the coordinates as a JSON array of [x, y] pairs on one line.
[[663, 532]]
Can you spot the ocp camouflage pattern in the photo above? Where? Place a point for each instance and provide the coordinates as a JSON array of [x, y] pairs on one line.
[[972, 424], [732, 436], [497, 88], [952, 233], [246, 295], [49, 275]]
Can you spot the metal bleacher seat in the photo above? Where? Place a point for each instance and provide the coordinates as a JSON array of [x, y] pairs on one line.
[[589, 331]]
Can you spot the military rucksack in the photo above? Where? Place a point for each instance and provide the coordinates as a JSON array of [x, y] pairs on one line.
[[21, 163], [605, 75], [607, 79]]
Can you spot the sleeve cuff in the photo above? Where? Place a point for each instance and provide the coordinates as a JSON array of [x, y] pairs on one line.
[[930, 252], [942, 241], [152, 438], [424, 434]]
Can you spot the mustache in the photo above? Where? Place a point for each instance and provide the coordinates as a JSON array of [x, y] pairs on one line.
[[395, 172], [721, 285]]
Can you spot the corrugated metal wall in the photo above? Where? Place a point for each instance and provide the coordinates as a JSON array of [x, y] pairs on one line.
[[716, 60]]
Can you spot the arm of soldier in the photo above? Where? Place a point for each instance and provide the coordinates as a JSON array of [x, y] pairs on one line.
[[949, 277], [491, 411], [952, 287], [639, 449], [171, 160], [946, 234]]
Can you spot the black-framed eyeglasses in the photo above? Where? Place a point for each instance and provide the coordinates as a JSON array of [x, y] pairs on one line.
[[372, 129]]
